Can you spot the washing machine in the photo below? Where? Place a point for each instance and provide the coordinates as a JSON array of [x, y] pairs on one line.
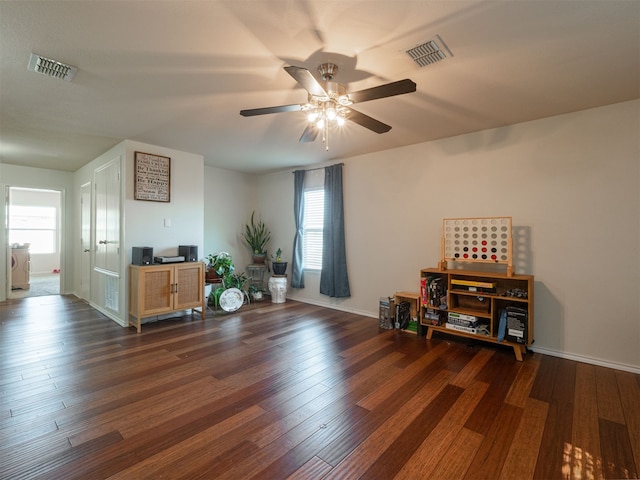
[[20, 266]]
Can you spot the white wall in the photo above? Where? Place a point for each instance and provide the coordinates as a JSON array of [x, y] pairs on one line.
[[142, 222], [27, 177], [145, 223], [571, 184], [230, 197], [164, 225]]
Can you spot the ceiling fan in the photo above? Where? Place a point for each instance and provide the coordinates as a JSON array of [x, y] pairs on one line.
[[331, 104]]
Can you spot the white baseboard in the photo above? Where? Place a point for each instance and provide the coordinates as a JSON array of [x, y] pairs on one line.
[[544, 351], [584, 359], [109, 314], [335, 307]]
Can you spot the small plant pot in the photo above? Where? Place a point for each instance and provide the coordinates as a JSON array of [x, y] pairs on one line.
[[211, 275], [259, 258], [257, 295], [279, 268]]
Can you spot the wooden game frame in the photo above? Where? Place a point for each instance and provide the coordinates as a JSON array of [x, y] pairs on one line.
[[474, 239]]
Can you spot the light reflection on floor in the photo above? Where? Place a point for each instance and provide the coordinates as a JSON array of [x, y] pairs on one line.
[[579, 464]]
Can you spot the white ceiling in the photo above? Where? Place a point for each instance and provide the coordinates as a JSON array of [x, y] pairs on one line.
[[176, 73]]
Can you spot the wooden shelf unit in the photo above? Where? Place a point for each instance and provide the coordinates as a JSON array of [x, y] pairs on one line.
[[485, 305], [160, 289], [414, 300]]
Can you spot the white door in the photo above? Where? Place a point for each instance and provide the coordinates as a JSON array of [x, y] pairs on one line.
[[107, 239], [9, 265], [85, 241]]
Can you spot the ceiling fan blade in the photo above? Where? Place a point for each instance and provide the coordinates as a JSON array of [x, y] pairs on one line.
[[310, 133], [367, 122], [263, 111], [308, 81], [387, 90]]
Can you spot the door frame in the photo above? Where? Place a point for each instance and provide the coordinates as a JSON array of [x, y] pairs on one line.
[[61, 240], [86, 250]]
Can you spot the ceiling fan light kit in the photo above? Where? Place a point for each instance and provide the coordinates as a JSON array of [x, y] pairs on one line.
[[330, 105], [328, 110]]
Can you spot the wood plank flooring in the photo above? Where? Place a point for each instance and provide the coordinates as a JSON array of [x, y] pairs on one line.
[[295, 391]]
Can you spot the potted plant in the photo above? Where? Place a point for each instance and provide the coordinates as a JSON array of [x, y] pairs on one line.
[[257, 236], [230, 280], [236, 280], [220, 265], [279, 266], [256, 292]]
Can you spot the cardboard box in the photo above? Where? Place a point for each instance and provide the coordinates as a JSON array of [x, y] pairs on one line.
[[387, 313]]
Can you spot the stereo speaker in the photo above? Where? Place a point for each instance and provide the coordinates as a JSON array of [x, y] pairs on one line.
[[189, 252], [141, 255]]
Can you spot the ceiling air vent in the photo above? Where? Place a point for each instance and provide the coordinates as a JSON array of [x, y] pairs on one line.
[[51, 68], [429, 52]]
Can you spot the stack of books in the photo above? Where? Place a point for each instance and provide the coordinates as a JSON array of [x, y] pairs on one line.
[[465, 323]]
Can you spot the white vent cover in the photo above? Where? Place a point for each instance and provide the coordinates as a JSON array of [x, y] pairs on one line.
[[51, 68], [429, 52]]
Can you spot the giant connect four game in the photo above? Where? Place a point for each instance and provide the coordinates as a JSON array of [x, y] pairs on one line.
[[477, 240]]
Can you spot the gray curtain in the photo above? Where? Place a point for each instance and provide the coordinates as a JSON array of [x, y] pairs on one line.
[[297, 273], [333, 279]]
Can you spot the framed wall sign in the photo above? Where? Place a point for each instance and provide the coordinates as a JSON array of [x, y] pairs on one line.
[[152, 177]]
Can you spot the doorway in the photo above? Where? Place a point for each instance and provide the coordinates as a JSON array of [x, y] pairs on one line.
[[34, 220]]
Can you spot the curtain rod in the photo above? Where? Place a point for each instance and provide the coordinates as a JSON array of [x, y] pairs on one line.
[[317, 168]]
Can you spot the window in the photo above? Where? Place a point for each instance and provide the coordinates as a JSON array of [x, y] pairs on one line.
[[34, 225], [312, 228]]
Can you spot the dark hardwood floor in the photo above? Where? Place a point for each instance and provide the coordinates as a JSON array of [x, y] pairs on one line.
[[277, 391]]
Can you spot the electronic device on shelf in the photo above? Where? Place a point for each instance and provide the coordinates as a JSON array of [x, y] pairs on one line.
[[167, 259], [189, 252], [141, 255]]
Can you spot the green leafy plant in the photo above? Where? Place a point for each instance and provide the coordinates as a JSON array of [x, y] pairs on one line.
[[236, 280], [221, 263], [278, 256], [279, 265], [257, 235], [214, 296], [231, 280], [256, 292]]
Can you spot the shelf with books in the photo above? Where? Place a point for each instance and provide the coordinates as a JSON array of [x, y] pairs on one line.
[[493, 307]]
